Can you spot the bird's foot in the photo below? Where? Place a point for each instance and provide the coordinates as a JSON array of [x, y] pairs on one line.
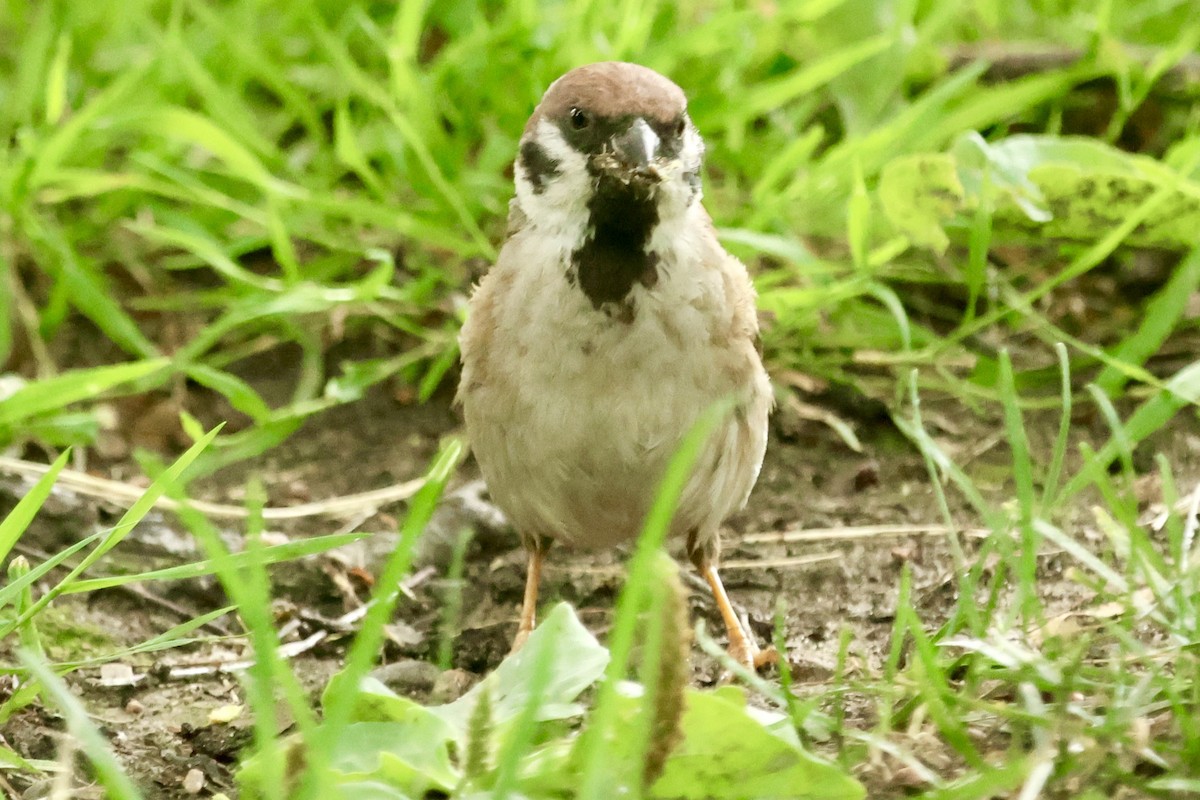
[[745, 651]]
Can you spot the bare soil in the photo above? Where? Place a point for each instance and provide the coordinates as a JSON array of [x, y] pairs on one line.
[[162, 727]]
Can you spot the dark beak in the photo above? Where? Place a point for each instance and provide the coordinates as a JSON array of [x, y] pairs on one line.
[[637, 148]]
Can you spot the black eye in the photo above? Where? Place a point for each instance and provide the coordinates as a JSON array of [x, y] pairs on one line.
[[579, 120], [680, 126]]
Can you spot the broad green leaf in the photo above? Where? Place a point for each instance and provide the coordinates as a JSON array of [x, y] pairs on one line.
[[392, 741], [1003, 168], [577, 661], [414, 755], [918, 194], [371, 790], [729, 753], [1068, 188], [377, 703]]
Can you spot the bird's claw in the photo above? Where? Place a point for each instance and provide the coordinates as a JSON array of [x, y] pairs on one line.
[[746, 652]]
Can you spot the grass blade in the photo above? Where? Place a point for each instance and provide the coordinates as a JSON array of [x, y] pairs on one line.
[[52, 394], [1161, 317], [26, 509], [119, 531], [247, 559], [112, 777]]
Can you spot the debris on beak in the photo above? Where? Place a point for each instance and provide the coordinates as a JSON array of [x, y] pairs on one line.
[[632, 154]]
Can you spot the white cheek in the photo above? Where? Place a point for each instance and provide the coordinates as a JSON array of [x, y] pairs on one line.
[[677, 191], [560, 209], [679, 239], [691, 155]]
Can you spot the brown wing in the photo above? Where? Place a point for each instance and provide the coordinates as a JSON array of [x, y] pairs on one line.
[[477, 338]]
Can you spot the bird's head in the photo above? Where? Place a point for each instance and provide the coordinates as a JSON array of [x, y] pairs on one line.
[[607, 140]]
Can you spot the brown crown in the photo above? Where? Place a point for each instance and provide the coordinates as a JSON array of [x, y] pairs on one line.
[[612, 89]]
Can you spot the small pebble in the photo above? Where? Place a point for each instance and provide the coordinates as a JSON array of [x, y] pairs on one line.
[[193, 782], [134, 706], [117, 674], [866, 476], [225, 714], [410, 676], [451, 685]]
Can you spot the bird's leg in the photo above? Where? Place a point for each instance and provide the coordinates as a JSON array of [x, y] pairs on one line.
[[742, 647], [533, 579]]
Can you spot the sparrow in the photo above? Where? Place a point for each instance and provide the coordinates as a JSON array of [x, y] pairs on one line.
[[610, 321]]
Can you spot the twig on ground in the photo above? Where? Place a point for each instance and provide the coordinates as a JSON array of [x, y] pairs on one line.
[[858, 532], [1190, 524], [125, 494], [6, 786], [287, 650], [779, 563], [346, 621]]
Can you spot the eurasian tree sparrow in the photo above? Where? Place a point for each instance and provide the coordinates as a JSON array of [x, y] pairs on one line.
[[610, 322]]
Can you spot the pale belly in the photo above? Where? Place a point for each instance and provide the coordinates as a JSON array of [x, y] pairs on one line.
[[576, 449], [582, 469]]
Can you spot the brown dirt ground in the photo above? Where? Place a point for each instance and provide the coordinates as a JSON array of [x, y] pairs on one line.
[[161, 728]]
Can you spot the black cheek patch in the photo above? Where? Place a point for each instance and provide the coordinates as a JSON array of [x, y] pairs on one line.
[[538, 165]]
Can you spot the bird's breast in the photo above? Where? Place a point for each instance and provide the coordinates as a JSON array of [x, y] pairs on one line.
[[586, 407]]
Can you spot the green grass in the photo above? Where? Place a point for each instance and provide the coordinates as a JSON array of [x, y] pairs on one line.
[[186, 185]]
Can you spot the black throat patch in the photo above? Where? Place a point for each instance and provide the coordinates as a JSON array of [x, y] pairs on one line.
[[622, 218]]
